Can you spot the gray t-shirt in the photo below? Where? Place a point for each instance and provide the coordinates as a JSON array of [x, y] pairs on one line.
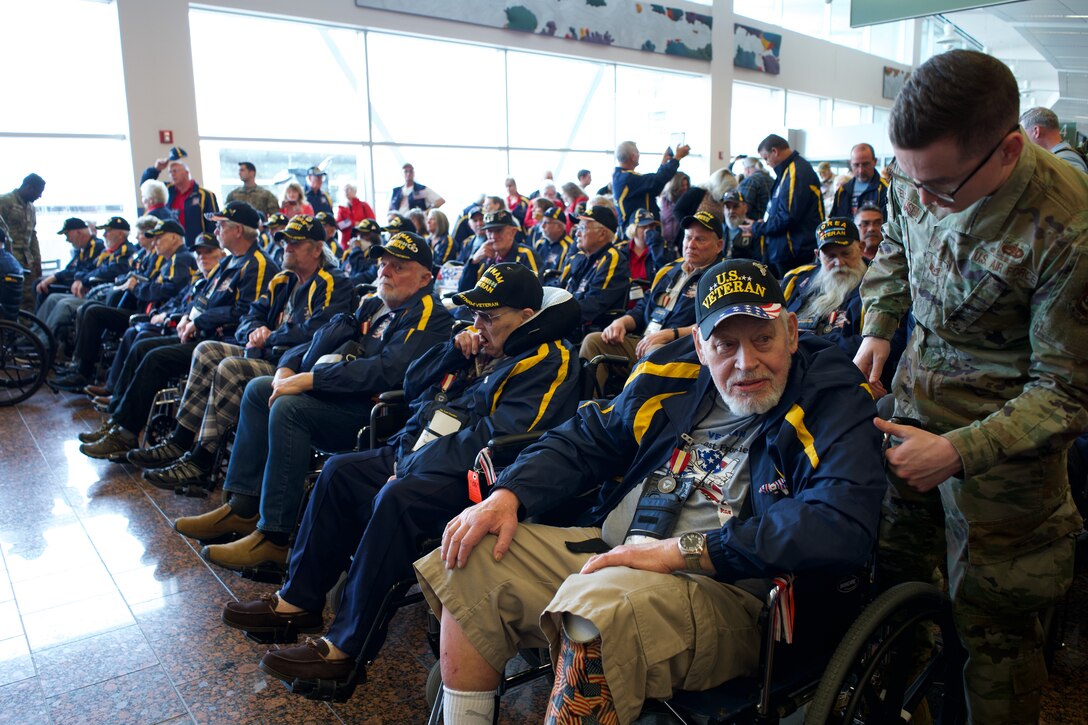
[[718, 471]]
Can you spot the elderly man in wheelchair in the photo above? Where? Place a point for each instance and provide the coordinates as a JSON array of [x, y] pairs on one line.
[[731, 457]]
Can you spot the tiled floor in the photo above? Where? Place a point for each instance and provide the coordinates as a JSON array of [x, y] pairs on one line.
[[108, 616]]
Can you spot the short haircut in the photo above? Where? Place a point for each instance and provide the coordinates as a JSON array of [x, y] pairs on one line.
[[626, 151], [34, 180], [154, 191], [1040, 116], [774, 141], [870, 206], [543, 203], [963, 95], [863, 145], [581, 173], [147, 222], [248, 166], [407, 166]]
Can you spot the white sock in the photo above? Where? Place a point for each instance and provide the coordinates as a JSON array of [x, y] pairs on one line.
[[468, 708]]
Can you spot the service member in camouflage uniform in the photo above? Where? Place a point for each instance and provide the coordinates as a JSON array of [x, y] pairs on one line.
[[257, 197], [988, 237], [17, 214]]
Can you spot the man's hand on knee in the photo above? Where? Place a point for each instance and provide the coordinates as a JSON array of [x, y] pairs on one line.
[[497, 514]]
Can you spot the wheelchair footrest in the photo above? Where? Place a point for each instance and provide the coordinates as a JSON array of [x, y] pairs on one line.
[[328, 690], [192, 490], [288, 634], [266, 573]]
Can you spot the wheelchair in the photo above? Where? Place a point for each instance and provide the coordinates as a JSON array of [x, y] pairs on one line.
[[27, 346]]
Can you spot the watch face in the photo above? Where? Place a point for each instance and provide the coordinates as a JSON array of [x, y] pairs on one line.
[[692, 541]]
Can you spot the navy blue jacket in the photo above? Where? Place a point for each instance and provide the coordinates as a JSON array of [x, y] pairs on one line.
[[108, 266], [390, 344], [534, 387], [444, 250], [877, 193], [553, 255], [816, 466], [362, 269], [199, 202], [599, 282], [682, 313], [147, 263], [416, 201], [295, 311], [234, 285], [796, 209], [633, 191], [518, 253], [174, 274], [82, 261], [319, 200]]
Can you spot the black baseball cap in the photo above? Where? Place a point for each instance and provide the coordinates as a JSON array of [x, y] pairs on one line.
[[399, 223], [408, 246], [238, 212], [301, 228], [323, 217], [207, 239], [276, 219], [167, 227], [116, 222], [837, 230], [507, 284], [554, 212], [645, 217], [71, 224], [737, 287], [602, 215], [474, 210], [706, 219], [367, 225], [733, 195], [498, 219]]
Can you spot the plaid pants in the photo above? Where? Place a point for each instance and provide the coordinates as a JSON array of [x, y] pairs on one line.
[[217, 378]]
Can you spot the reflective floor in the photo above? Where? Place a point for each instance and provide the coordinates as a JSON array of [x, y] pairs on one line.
[[109, 616]]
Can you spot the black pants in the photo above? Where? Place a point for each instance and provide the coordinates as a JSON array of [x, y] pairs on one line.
[[96, 319], [155, 370]]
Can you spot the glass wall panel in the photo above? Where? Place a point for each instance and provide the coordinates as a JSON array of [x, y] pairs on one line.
[[651, 106], [461, 99], [575, 108], [757, 111], [459, 175], [528, 167], [326, 64], [849, 114], [805, 111]]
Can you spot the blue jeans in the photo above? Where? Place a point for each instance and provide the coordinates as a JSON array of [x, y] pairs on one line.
[[272, 447]]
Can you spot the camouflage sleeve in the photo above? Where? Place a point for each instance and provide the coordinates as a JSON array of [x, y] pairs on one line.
[[885, 289], [1052, 409]]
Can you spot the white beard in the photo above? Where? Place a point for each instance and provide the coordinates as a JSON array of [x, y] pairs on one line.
[[753, 404], [829, 290]]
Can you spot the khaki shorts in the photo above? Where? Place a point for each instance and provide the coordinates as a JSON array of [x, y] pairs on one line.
[[659, 632]]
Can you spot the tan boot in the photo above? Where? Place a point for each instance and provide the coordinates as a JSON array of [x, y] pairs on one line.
[[247, 553], [220, 524]]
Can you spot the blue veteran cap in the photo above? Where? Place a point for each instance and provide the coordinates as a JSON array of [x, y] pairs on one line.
[[737, 287]]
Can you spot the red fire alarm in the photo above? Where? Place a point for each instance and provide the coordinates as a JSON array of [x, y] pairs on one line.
[[166, 137]]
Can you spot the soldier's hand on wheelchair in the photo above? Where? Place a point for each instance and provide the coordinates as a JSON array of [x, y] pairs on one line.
[[922, 459], [497, 514]]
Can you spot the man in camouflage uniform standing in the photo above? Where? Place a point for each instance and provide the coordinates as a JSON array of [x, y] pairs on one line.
[[988, 239], [17, 214], [257, 197]]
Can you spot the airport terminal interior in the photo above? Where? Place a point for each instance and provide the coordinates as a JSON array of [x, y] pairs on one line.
[[110, 615]]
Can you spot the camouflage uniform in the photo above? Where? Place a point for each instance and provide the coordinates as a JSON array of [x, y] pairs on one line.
[[21, 221], [258, 197], [997, 366]]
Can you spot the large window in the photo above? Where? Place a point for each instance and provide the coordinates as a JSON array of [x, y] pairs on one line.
[[465, 116], [65, 110], [756, 112]]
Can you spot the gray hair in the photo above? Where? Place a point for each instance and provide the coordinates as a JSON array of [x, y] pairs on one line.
[[720, 183], [147, 222], [626, 151], [1040, 116], [154, 191]]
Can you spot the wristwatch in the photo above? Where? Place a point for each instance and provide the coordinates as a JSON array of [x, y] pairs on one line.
[[692, 545]]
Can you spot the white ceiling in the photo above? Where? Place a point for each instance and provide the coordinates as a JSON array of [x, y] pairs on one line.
[[1046, 44]]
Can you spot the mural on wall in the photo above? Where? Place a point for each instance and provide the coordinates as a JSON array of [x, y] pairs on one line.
[[893, 81], [756, 49], [675, 29]]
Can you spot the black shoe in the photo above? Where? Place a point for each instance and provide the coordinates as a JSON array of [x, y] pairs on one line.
[[184, 472], [113, 446], [71, 383], [158, 456]]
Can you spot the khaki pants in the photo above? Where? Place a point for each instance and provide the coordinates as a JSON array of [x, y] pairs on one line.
[[659, 632], [593, 345]]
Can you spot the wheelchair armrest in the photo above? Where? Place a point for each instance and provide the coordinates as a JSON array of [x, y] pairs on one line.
[[390, 397], [504, 449], [60, 288], [388, 415], [137, 319], [609, 360]]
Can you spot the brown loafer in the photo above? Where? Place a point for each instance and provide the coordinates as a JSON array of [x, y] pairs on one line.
[[220, 524], [308, 662], [260, 617], [250, 552], [97, 391]]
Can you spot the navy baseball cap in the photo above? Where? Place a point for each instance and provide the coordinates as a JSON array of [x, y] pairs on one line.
[[498, 219], [837, 230], [167, 227], [367, 225], [400, 223], [116, 222], [645, 217], [407, 246], [238, 212], [177, 153], [301, 228], [706, 219], [737, 287], [507, 284], [276, 219], [733, 195], [71, 224], [555, 213], [602, 215], [207, 239], [323, 217]]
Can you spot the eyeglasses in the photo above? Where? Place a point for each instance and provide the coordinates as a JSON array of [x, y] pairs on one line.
[[949, 197], [486, 317]]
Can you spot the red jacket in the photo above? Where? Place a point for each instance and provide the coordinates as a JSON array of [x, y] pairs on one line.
[[355, 212]]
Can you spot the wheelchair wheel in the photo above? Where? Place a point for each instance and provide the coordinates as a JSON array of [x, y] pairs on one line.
[[875, 675], [24, 363], [159, 428], [42, 332], [434, 684]]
